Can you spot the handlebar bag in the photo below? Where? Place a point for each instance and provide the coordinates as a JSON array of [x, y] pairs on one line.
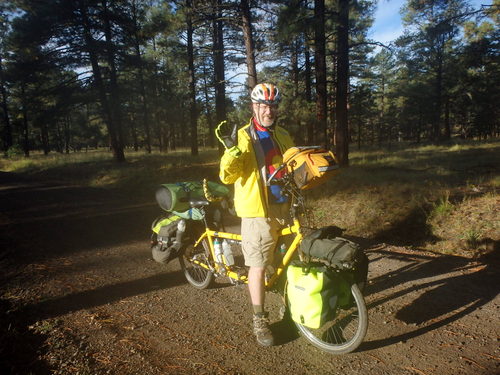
[[311, 166], [314, 292]]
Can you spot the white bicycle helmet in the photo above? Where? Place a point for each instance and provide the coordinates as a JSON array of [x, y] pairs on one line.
[[266, 93]]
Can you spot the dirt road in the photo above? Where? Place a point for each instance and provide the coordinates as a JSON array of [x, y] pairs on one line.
[[81, 295]]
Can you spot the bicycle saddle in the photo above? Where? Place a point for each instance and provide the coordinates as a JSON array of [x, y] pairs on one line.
[[198, 203]]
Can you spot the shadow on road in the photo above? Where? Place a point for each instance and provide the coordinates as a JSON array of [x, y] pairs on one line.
[[100, 296], [19, 346], [40, 221], [446, 299]]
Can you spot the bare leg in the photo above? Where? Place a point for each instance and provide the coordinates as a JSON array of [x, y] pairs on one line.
[[256, 285]]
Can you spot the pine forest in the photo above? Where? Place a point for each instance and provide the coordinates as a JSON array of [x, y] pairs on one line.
[[160, 75]]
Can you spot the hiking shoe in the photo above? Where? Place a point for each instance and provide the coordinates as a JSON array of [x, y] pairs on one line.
[[261, 329]]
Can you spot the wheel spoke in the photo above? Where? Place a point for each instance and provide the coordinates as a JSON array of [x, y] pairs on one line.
[[344, 332], [196, 275]]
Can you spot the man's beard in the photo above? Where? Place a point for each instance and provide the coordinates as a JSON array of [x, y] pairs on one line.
[[266, 123]]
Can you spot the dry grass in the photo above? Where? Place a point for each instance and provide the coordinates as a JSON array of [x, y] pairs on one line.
[[470, 225], [138, 174], [443, 198]]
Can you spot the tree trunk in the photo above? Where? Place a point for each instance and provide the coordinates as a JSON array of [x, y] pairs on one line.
[[142, 86], [360, 126], [207, 108], [24, 112], [67, 133], [447, 125], [307, 71], [295, 67], [113, 86], [44, 129], [320, 65], [341, 130], [308, 89], [439, 95], [159, 125], [218, 59], [249, 44], [7, 130], [133, 131], [59, 138], [91, 48], [381, 119], [192, 80], [419, 124]]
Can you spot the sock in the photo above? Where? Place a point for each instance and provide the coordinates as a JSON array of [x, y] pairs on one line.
[[258, 309]]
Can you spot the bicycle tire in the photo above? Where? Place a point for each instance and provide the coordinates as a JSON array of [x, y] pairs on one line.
[[196, 275], [345, 331]]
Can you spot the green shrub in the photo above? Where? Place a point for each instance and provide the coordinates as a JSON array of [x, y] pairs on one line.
[[443, 207]]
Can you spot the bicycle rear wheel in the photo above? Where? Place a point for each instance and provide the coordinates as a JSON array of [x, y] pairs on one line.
[[345, 331], [194, 263]]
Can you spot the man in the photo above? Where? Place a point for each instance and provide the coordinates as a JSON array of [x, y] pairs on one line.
[[248, 164]]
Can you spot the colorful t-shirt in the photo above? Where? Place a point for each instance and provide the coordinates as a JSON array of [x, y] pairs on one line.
[[273, 159]]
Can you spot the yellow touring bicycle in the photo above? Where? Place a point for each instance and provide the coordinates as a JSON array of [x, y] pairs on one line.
[[346, 328]]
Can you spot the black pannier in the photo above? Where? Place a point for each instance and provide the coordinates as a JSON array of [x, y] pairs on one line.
[[168, 232]]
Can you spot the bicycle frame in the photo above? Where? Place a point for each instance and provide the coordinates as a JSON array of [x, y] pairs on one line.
[[341, 333], [210, 235]]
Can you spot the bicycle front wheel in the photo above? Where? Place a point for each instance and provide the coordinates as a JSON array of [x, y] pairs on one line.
[[345, 331], [194, 263]]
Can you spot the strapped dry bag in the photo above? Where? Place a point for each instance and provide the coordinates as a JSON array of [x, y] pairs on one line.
[[311, 166], [175, 197]]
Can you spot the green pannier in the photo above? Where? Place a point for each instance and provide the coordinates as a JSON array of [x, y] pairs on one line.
[[175, 197], [315, 293], [311, 294]]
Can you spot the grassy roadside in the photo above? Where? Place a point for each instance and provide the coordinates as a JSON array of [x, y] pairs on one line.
[[140, 174], [442, 198]]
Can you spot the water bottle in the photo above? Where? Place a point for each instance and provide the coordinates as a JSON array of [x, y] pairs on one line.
[[218, 251], [181, 228], [283, 249], [228, 253], [181, 225], [280, 254]]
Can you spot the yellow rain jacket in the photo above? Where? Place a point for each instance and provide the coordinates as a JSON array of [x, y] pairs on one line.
[[247, 173]]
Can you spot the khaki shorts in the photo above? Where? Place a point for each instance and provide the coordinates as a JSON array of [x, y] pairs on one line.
[[259, 236]]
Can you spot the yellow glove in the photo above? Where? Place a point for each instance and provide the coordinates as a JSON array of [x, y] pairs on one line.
[[228, 138]]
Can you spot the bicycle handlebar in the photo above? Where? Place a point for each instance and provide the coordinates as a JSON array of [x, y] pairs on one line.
[[271, 177]]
